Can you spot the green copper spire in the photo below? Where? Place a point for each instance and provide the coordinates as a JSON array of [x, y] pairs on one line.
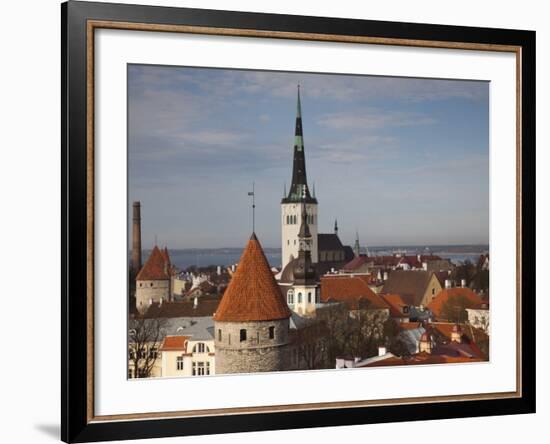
[[299, 137], [299, 191]]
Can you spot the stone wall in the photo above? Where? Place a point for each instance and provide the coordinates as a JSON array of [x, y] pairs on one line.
[[154, 291], [258, 353]]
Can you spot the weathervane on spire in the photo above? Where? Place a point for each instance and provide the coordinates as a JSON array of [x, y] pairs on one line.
[[252, 193]]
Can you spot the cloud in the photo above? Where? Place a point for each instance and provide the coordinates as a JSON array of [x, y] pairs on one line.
[[373, 119]]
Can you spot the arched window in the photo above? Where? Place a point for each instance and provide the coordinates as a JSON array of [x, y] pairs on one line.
[[294, 219], [201, 347], [299, 298], [243, 335], [309, 297], [290, 297], [219, 334]]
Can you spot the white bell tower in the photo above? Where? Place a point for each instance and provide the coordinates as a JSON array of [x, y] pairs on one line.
[[298, 200]]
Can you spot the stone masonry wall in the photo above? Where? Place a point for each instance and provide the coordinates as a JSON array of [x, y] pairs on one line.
[[257, 353]]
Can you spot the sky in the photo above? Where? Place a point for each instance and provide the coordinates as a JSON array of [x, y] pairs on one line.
[[402, 161]]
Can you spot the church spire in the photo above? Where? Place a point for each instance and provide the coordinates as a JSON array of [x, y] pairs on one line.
[[299, 191], [304, 270]]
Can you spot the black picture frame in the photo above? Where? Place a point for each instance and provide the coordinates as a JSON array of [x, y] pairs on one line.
[[76, 424]]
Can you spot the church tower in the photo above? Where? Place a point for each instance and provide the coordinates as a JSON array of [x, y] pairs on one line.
[[305, 288], [297, 201]]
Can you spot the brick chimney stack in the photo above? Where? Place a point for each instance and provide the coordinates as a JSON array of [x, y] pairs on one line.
[[136, 238]]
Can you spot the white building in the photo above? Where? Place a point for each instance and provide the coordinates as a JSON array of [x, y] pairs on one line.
[[191, 351]]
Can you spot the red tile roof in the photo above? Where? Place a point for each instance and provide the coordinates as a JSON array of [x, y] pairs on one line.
[[157, 266], [422, 358], [253, 293], [409, 325], [443, 296], [396, 304], [174, 343], [356, 262], [352, 290]]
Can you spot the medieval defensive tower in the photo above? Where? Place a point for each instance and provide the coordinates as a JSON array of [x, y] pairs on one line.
[[252, 320], [135, 264]]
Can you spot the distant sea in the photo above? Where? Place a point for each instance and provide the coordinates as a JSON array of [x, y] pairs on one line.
[[184, 258]]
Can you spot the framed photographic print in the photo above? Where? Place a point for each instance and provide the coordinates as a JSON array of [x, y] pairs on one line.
[[213, 284]]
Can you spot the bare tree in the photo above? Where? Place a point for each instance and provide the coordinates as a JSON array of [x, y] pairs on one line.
[[454, 309], [144, 338], [311, 345]]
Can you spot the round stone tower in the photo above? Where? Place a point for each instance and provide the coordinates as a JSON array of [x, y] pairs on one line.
[[252, 321]]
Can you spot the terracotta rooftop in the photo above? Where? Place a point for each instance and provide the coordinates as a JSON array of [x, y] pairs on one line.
[[174, 343], [443, 296], [252, 293], [352, 290], [409, 325], [396, 304], [179, 309], [469, 334], [410, 284], [423, 358], [356, 263], [157, 266]]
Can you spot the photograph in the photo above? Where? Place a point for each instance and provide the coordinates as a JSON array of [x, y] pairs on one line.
[[283, 221]]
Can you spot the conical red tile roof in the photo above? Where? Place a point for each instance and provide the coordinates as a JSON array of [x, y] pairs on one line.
[[253, 293], [157, 266]]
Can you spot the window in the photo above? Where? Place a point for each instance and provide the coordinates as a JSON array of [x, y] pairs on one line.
[[153, 353], [200, 348], [179, 363], [243, 335], [271, 332], [141, 284], [433, 290], [219, 335], [151, 284], [290, 297], [299, 298], [309, 298], [198, 369], [317, 296], [208, 368]]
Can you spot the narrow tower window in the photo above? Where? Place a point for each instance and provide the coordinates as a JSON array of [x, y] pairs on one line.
[[271, 332], [243, 335]]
